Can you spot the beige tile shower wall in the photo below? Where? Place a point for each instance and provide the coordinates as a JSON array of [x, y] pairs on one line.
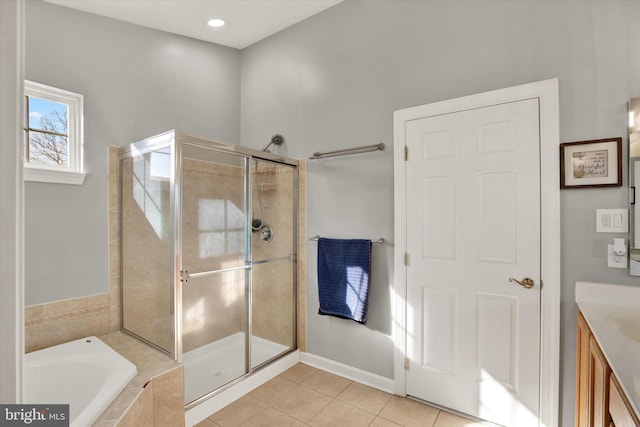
[[272, 283], [273, 302], [62, 321], [215, 309], [273, 190], [207, 186], [213, 306], [146, 264]]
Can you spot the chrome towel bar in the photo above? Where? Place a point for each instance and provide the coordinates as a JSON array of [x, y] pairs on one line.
[[346, 151], [377, 242]]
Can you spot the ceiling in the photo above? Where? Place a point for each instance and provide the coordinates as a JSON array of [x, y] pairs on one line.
[[247, 21]]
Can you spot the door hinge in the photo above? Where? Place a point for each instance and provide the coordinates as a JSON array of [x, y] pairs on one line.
[[406, 259], [406, 363], [406, 153], [541, 283]]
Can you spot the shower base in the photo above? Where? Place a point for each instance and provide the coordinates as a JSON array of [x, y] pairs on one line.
[[214, 365]]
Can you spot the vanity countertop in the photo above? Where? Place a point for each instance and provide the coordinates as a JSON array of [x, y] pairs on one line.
[[613, 314]]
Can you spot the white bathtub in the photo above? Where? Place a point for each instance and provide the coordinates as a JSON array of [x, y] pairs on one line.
[[86, 373]]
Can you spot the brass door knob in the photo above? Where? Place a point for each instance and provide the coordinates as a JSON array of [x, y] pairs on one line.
[[526, 282]]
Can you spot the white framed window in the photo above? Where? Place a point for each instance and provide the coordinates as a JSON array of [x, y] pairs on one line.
[[53, 135]]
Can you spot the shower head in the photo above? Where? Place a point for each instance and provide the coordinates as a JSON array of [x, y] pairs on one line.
[[276, 139]]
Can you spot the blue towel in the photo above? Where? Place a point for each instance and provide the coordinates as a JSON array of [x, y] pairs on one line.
[[344, 272]]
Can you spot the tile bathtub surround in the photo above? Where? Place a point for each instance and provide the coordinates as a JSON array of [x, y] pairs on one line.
[[140, 413], [159, 379], [115, 305], [58, 322], [306, 396]]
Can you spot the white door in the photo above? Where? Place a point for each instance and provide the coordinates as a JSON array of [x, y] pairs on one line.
[[473, 222]]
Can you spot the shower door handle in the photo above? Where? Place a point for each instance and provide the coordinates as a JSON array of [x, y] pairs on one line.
[[185, 275]]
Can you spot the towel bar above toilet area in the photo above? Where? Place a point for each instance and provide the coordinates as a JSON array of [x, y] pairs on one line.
[[377, 242]]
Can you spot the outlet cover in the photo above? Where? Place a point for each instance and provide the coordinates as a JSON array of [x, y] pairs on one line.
[[616, 261]]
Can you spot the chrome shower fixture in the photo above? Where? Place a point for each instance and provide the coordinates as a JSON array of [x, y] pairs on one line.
[[256, 225], [266, 233], [276, 139]]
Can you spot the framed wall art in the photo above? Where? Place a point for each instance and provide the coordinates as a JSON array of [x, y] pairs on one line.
[[596, 163]]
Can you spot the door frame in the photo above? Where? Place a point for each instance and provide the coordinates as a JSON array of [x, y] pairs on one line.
[[546, 92], [12, 52]]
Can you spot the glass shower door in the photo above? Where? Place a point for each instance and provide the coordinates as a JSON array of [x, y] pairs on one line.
[[273, 277], [215, 269], [147, 236]]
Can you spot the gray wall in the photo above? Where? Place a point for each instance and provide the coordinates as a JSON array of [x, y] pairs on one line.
[[136, 82], [329, 82], [334, 80]]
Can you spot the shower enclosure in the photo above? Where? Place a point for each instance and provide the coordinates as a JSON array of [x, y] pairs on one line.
[[208, 249]]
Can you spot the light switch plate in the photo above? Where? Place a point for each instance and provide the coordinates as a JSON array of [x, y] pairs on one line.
[[612, 220]]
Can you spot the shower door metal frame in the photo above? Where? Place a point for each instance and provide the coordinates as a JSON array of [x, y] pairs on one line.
[[248, 155], [176, 140]]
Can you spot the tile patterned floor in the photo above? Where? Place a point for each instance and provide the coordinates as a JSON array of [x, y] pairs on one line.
[[306, 396]]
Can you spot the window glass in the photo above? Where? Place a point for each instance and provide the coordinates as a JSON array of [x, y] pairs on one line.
[[48, 132]]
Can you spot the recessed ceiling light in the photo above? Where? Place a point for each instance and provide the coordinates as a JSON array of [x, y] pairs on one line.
[[215, 22]]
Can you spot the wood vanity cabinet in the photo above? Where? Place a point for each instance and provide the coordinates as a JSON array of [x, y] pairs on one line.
[[621, 412], [599, 400], [598, 386], [593, 372], [583, 336]]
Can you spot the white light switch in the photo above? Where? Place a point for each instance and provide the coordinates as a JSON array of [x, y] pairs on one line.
[[612, 220], [617, 220]]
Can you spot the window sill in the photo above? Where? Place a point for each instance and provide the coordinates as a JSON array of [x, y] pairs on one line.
[[53, 176]]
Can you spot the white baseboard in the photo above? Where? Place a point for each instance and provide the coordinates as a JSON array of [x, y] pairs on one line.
[[208, 407], [367, 378]]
